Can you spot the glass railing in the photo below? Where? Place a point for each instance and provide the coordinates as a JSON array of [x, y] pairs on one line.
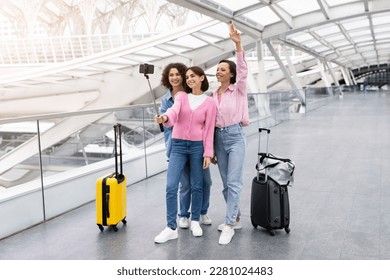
[[58, 156], [72, 140], [62, 142]]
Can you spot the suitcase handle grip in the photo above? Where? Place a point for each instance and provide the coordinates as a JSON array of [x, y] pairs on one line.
[[265, 129]]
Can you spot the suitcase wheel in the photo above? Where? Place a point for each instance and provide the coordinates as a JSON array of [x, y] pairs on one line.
[[114, 228], [272, 233], [124, 221], [101, 227], [287, 229], [253, 223]]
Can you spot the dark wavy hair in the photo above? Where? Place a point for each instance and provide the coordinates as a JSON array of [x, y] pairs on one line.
[[165, 74], [232, 68], [199, 72]]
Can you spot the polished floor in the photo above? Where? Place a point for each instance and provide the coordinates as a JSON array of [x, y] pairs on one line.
[[340, 202]]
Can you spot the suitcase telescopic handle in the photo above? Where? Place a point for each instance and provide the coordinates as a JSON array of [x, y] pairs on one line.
[[268, 132], [261, 129], [120, 147], [116, 148], [118, 137]]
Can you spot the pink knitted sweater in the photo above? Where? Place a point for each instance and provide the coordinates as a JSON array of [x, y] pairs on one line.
[[194, 125]]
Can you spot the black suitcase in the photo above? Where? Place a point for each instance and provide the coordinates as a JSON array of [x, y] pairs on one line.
[[270, 208]]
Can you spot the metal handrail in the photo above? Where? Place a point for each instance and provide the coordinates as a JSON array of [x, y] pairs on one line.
[[69, 114]]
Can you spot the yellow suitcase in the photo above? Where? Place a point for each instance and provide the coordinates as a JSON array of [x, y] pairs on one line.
[[111, 192]]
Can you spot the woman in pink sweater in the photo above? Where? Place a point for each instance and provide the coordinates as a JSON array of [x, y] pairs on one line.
[[193, 119]]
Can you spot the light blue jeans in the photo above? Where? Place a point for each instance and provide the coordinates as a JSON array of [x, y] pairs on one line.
[[185, 192], [230, 149], [184, 151]]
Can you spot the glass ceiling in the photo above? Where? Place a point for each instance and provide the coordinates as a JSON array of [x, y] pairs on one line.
[[350, 33]]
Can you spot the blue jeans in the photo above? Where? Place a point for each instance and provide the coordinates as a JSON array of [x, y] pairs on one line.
[[184, 151], [230, 149], [185, 192]]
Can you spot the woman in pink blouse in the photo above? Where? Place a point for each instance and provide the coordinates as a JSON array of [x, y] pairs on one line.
[[229, 138]]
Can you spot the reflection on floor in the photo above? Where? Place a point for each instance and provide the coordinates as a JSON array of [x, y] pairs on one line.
[[339, 203]]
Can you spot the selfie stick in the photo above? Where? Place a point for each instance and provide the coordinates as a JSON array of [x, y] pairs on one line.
[[153, 97]]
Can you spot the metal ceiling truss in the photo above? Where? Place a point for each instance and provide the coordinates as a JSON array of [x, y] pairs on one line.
[[288, 26]]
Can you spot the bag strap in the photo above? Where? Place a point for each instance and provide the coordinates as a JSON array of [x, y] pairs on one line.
[[271, 156]]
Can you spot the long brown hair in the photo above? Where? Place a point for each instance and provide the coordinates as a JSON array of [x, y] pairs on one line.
[[199, 72]]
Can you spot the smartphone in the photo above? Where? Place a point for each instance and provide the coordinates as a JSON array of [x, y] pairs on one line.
[[146, 68]]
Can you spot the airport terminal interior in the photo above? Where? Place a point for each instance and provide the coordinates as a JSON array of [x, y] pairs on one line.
[[318, 77]]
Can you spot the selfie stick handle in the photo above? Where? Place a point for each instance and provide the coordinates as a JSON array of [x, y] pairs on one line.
[[154, 101]]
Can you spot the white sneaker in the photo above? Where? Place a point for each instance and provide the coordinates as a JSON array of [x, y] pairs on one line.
[[165, 235], [196, 229], [184, 222], [204, 219], [237, 225], [226, 235]]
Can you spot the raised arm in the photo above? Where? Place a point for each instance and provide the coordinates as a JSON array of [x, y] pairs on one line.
[[235, 36], [242, 67]]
